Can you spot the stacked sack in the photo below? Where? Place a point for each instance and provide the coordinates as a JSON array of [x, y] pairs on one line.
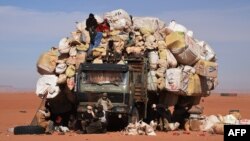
[[177, 62], [59, 65]]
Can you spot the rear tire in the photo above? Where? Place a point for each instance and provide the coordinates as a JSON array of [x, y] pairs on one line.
[[22, 130]]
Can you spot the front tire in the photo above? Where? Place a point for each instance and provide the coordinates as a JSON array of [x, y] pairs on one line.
[[22, 130]]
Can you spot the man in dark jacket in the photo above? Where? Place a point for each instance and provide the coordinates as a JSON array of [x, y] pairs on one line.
[[91, 24], [101, 115], [87, 117]]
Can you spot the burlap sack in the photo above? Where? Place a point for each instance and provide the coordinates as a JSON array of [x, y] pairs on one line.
[[71, 60], [165, 32], [99, 51], [97, 61], [206, 68], [62, 79], [218, 128], [194, 85], [175, 40], [194, 124], [80, 58], [82, 47], [70, 71], [135, 50], [161, 83], [72, 51], [77, 35], [172, 62], [162, 44], [162, 63], [119, 46], [163, 54], [160, 72], [150, 42], [46, 63], [152, 81]]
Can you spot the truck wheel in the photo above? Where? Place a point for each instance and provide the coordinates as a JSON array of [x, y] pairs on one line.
[[134, 116], [21, 130]]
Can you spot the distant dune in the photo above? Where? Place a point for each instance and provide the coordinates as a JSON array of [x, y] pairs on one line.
[[11, 89]]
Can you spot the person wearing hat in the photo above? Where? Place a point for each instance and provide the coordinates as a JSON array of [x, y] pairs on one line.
[[105, 102]]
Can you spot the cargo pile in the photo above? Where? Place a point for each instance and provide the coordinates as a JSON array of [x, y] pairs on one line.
[[178, 62]]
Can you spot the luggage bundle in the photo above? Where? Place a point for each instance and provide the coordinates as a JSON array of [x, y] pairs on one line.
[[178, 62]]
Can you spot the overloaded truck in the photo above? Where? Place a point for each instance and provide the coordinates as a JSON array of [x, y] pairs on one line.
[[158, 64]]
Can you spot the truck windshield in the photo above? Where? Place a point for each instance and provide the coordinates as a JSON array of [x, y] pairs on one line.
[[104, 77], [113, 97]]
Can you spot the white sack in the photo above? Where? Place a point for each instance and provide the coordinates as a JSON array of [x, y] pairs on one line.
[[180, 28], [177, 27], [64, 45], [98, 18], [153, 59], [85, 34], [230, 119], [151, 24], [172, 62], [173, 79], [47, 84], [152, 81], [208, 52], [60, 68], [81, 25], [209, 122], [118, 19]]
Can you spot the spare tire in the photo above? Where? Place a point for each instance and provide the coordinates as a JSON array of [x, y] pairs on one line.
[[21, 130]]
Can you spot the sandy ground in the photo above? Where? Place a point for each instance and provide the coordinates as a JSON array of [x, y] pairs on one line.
[[19, 109]]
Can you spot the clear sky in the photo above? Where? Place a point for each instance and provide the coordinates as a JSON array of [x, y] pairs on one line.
[[30, 27]]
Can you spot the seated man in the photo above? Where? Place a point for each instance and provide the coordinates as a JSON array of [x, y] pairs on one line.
[[43, 120], [105, 102], [87, 117], [101, 115]]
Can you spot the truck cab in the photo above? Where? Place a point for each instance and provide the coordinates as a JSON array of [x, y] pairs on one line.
[[125, 85]]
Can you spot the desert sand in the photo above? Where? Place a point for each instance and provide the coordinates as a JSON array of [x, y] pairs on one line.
[[19, 109]]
